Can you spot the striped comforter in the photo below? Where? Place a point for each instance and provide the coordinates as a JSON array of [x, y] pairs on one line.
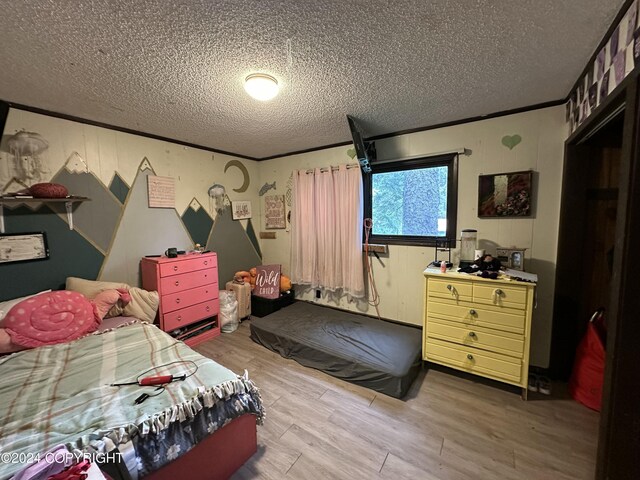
[[61, 394]]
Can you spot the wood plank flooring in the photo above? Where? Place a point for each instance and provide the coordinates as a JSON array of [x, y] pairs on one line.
[[450, 426]]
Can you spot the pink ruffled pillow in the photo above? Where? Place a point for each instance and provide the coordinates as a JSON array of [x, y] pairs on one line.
[[105, 300], [50, 318], [55, 317]]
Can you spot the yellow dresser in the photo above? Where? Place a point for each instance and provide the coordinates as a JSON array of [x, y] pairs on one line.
[[478, 325]]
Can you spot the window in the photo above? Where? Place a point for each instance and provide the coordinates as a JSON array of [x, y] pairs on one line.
[[413, 201]]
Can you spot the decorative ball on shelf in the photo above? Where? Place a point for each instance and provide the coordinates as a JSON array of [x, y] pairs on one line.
[[48, 190]]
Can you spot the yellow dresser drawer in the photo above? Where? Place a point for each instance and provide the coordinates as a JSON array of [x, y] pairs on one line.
[[445, 288], [509, 320], [473, 360], [500, 296], [511, 344]]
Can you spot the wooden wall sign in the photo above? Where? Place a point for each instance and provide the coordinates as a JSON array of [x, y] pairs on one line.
[[267, 281]]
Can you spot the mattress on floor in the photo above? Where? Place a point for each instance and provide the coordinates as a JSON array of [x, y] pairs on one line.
[[380, 355]]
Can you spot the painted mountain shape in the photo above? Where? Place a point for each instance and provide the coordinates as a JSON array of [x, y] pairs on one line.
[[95, 219], [254, 238], [233, 246], [198, 222], [119, 188], [142, 231], [71, 255], [75, 163]]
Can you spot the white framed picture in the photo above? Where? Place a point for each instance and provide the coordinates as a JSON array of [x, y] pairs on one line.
[[241, 209]]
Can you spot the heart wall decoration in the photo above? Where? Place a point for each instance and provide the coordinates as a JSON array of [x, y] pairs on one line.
[[510, 141]]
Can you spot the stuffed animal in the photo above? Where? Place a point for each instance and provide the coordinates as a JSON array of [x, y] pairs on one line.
[[242, 277], [285, 283], [254, 273]]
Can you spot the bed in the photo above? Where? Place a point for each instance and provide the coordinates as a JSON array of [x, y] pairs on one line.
[[380, 355], [61, 394]]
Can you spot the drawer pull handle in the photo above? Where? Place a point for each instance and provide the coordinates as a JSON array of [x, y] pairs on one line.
[[175, 268], [472, 334], [469, 356], [472, 312], [206, 262], [499, 292], [179, 317], [177, 300], [177, 283], [449, 287], [208, 308]]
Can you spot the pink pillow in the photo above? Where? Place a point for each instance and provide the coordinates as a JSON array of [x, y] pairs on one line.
[[106, 299], [50, 318]]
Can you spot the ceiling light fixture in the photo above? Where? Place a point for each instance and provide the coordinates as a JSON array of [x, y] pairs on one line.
[[261, 86]]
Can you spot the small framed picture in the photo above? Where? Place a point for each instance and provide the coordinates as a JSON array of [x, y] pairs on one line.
[[274, 212], [23, 247], [241, 209], [505, 195]]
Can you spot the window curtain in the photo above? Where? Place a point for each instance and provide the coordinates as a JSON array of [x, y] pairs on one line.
[[326, 230]]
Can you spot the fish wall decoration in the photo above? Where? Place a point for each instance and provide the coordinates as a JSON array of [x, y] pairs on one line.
[[266, 187]]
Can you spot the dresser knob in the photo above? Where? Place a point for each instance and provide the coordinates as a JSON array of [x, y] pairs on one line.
[[449, 287], [469, 356], [208, 308], [206, 262], [498, 292], [177, 283], [177, 300], [472, 312], [472, 334], [175, 268], [179, 317]]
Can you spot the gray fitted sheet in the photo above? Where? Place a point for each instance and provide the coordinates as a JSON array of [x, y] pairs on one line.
[[380, 355]]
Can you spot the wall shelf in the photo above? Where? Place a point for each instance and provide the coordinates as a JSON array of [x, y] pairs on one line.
[[68, 205]]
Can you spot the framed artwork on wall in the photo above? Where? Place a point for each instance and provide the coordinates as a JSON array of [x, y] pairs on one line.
[[274, 212], [505, 195], [23, 247], [241, 209]]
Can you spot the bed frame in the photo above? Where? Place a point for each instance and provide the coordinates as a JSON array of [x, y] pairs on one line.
[[218, 456]]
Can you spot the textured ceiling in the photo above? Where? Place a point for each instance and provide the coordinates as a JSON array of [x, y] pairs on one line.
[[175, 68]]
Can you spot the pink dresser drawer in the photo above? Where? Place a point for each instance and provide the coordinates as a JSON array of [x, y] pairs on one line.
[[185, 316], [186, 298], [184, 281], [188, 265]]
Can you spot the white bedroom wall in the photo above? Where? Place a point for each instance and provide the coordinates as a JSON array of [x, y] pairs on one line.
[[399, 277]]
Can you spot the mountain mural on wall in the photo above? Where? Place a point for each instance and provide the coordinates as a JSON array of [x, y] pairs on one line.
[[142, 231], [114, 229], [253, 237], [235, 251], [198, 222], [96, 219], [71, 255], [119, 187]]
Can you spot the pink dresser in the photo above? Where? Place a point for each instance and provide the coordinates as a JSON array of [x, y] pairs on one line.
[[188, 289]]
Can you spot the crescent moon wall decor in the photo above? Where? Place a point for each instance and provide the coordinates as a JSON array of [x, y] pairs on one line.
[[245, 173]]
